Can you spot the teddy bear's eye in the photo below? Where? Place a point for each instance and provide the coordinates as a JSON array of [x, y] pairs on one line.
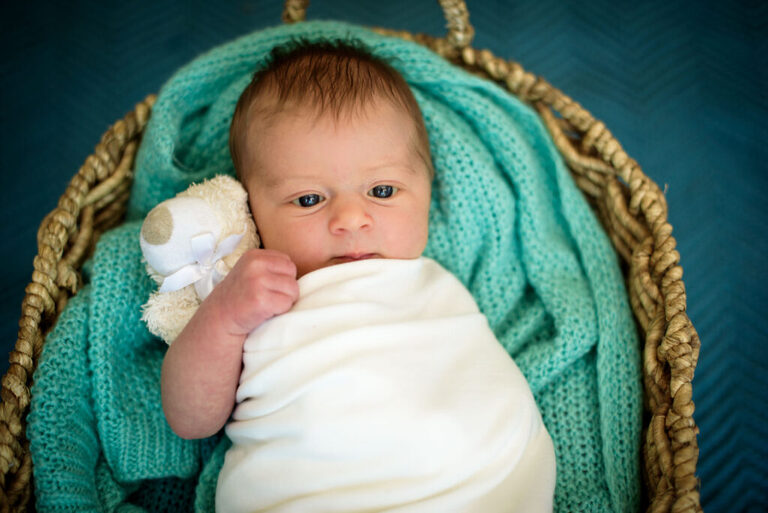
[[308, 200]]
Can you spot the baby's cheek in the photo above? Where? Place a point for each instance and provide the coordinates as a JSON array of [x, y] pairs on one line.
[[411, 239], [306, 247], [420, 241]]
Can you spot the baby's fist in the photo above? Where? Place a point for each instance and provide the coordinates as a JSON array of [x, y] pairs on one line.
[[262, 284]]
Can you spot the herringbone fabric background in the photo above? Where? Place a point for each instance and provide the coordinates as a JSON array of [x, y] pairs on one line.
[[682, 85]]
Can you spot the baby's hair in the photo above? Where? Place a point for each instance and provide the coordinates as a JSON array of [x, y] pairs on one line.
[[335, 77]]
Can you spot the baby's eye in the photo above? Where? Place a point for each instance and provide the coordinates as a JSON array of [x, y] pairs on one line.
[[382, 191], [308, 200]]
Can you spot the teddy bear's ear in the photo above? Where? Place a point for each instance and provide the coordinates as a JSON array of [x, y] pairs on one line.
[[158, 226]]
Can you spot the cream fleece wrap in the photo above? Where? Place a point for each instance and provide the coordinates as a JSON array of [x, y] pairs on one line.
[[384, 389]]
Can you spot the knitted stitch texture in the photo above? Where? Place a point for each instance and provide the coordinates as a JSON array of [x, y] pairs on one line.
[[506, 219]]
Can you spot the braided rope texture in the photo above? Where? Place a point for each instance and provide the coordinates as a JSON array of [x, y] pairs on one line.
[[634, 213], [93, 202]]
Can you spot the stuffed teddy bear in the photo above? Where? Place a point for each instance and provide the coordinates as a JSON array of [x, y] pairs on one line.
[[189, 243]]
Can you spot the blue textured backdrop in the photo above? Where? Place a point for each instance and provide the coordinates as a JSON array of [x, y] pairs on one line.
[[682, 85]]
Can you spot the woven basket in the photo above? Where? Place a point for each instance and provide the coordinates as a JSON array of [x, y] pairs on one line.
[[631, 207]]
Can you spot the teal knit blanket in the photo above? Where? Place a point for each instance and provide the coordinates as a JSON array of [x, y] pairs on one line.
[[506, 219]]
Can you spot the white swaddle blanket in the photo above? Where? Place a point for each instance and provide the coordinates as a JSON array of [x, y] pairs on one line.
[[384, 389]]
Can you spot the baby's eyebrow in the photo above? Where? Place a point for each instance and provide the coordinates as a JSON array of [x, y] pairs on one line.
[[393, 164], [273, 181]]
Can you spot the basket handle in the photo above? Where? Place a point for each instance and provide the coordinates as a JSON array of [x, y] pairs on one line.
[[460, 32]]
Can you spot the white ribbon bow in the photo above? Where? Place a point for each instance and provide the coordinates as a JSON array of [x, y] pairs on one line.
[[209, 268]]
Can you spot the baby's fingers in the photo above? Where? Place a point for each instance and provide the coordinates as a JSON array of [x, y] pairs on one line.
[[279, 302], [277, 262], [259, 298], [282, 284]]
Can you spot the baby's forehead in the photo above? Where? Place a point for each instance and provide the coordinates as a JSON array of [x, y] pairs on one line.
[[265, 112], [268, 118]]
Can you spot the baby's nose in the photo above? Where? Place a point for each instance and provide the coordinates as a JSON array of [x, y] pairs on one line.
[[349, 214]]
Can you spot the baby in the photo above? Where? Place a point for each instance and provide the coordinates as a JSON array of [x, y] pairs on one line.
[[376, 385]]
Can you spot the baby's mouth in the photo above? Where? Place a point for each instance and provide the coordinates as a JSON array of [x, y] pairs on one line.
[[352, 257]]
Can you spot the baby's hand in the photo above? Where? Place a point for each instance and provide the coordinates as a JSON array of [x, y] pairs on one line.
[[262, 284]]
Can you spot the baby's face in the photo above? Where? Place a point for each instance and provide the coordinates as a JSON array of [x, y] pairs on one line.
[[327, 192]]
